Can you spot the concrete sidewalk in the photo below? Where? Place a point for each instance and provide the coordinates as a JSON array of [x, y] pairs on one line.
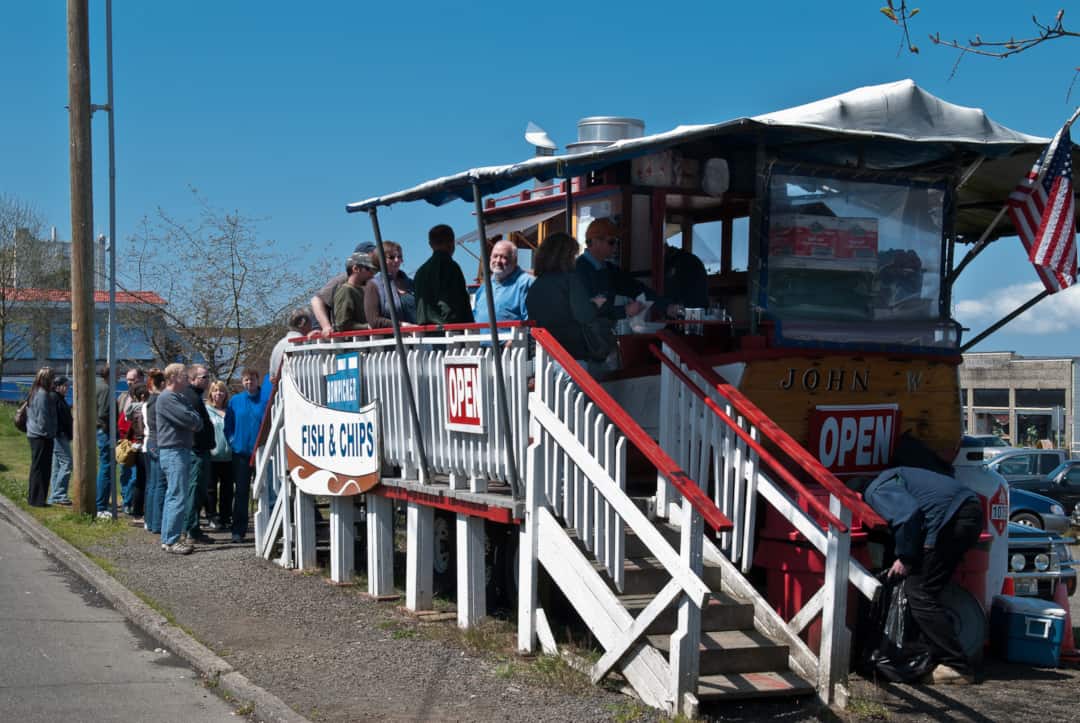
[[27, 571], [66, 654]]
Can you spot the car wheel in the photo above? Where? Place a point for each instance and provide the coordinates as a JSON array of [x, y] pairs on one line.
[[1027, 519], [966, 616], [444, 556]]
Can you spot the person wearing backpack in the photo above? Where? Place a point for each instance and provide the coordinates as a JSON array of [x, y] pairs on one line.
[[61, 460], [41, 427]]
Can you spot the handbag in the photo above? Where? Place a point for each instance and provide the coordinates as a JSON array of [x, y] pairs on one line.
[[126, 452], [22, 415]]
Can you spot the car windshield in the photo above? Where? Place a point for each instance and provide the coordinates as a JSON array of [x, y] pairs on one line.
[[988, 440], [1060, 468]]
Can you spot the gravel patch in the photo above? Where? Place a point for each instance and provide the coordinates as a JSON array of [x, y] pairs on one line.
[[328, 652], [333, 655]]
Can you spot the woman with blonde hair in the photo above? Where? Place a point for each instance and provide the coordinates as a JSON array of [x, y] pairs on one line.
[[219, 487], [376, 299], [559, 302], [41, 426]]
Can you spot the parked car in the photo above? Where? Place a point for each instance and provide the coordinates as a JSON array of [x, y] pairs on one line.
[[1022, 463], [1033, 510], [1038, 562], [980, 447], [1061, 484]]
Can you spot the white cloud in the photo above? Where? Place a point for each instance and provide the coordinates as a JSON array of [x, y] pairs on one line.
[[1057, 313]]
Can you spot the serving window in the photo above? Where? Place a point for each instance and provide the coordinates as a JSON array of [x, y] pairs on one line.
[[851, 260]]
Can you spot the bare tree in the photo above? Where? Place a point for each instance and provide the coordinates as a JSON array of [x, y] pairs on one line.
[[25, 262], [900, 14], [226, 291]]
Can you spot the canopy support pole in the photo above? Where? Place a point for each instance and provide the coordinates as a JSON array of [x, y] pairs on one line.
[[570, 206], [391, 294], [500, 383], [997, 325]]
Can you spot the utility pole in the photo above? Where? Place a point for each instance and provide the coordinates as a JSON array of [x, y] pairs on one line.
[[84, 442]]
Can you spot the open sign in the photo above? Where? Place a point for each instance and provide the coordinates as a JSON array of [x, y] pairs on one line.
[[464, 395], [854, 439]]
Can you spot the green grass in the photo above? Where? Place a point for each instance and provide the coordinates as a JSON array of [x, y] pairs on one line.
[[82, 531]]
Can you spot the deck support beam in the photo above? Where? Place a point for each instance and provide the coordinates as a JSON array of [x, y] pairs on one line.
[[380, 545], [419, 557], [342, 539], [305, 530], [471, 587]]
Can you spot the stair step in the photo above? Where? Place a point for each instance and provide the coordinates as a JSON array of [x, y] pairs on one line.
[[733, 651], [752, 685], [645, 575], [721, 612]]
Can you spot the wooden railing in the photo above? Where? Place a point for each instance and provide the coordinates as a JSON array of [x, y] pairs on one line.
[[575, 478], [720, 435]]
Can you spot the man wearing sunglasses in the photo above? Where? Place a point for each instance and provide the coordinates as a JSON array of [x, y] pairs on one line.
[[604, 280]]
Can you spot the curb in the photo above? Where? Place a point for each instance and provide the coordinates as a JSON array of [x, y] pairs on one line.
[[266, 706]]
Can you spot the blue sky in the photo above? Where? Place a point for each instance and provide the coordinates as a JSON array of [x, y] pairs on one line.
[[286, 112]]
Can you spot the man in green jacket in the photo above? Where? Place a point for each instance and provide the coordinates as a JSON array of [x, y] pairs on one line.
[[441, 295]]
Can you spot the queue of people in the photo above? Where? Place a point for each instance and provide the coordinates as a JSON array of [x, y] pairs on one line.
[[184, 449], [186, 444]]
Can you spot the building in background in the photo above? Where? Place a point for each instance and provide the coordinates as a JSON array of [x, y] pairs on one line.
[[1022, 399]]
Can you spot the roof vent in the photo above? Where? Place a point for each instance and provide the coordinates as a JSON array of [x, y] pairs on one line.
[[598, 131]]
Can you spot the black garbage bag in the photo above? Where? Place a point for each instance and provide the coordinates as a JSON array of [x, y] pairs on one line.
[[900, 657]]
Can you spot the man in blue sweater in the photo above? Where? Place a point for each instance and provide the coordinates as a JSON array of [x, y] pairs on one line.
[[935, 521], [509, 283], [177, 423], [242, 421]]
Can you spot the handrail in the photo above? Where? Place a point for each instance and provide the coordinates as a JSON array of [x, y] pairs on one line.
[[778, 436], [750, 441], [413, 329], [637, 436]]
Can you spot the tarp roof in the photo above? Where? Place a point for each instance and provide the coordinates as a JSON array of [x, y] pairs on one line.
[[896, 114]]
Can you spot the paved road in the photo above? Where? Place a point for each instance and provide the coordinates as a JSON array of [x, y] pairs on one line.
[[66, 655]]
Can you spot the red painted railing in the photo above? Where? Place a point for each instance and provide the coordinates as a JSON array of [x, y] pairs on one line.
[[637, 436], [777, 436]]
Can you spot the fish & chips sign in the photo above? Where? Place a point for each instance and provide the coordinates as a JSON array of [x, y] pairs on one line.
[[332, 450]]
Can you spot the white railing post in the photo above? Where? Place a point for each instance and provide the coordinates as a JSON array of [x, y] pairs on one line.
[[685, 657], [527, 543], [835, 647], [668, 423], [471, 581]]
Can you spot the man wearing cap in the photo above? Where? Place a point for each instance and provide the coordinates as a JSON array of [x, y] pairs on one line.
[[441, 294], [349, 297], [604, 279], [322, 304], [509, 284]]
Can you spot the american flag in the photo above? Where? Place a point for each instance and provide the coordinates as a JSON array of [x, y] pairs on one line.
[[1042, 210]]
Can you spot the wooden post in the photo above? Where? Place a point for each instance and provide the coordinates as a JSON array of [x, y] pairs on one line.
[[471, 584], [834, 651], [84, 441], [380, 545], [305, 531], [419, 556], [342, 539], [685, 659]]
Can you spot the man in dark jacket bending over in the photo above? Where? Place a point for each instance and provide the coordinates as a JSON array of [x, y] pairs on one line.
[[935, 521]]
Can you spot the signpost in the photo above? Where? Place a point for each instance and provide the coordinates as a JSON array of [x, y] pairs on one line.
[[330, 451], [464, 398], [854, 439]]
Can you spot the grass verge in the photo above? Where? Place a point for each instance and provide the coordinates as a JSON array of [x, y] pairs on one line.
[[82, 531]]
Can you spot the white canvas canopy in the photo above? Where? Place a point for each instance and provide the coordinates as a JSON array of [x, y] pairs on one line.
[[892, 126]]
